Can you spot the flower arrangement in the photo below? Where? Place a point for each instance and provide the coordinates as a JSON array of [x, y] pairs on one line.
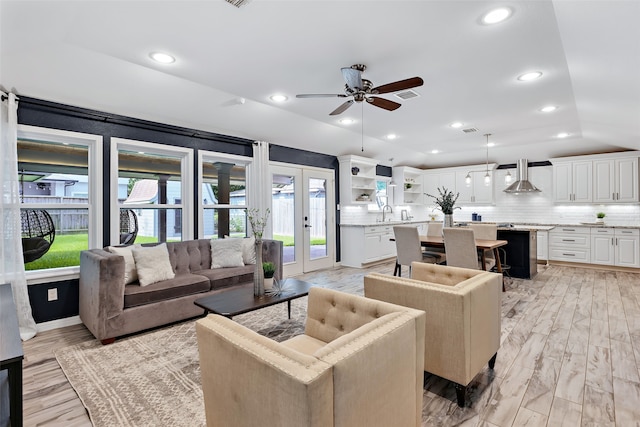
[[258, 222], [446, 201]]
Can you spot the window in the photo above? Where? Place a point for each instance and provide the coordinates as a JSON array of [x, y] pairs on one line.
[[223, 195], [151, 192], [60, 180]]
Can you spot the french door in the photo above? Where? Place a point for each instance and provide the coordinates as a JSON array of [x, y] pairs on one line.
[[303, 216]]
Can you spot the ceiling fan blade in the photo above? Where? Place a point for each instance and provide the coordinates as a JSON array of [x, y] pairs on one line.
[[321, 95], [399, 85], [383, 103], [341, 108], [352, 77]]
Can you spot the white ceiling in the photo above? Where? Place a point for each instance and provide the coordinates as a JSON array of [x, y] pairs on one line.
[[94, 54]]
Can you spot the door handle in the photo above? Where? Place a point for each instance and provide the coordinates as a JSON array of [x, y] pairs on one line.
[[307, 226]]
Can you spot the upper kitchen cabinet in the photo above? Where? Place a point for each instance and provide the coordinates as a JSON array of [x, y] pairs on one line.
[[615, 180], [357, 180], [437, 178], [476, 191], [597, 178], [409, 186], [572, 181]]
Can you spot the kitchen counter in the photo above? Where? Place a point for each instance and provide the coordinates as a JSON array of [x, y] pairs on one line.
[[395, 222]]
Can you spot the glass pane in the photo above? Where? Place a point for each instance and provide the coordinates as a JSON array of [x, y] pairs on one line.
[[221, 222], [53, 238], [153, 225], [53, 172], [223, 184], [145, 178], [283, 214], [318, 218]]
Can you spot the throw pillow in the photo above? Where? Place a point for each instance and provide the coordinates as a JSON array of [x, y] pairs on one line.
[[153, 264], [249, 250], [226, 253], [130, 271]]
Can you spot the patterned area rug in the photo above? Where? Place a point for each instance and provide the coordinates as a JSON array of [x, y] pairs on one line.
[[153, 379]]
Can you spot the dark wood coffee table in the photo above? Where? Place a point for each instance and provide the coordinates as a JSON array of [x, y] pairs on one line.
[[241, 300]]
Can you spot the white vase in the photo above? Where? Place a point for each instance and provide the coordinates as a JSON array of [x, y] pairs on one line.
[[268, 284]]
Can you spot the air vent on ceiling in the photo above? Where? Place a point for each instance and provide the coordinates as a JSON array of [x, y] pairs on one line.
[[469, 130], [238, 3], [407, 94]]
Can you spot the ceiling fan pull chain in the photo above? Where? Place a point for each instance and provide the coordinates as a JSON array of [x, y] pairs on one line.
[[362, 126]]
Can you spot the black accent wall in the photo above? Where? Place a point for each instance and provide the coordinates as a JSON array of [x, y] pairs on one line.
[[41, 113]]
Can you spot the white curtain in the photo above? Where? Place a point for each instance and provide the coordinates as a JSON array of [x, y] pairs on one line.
[[260, 191], [12, 267]]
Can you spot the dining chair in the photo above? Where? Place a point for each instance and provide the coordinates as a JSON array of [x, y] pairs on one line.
[[434, 229], [408, 248], [486, 232], [460, 248]]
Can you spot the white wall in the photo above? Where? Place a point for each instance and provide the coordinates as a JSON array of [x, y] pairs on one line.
[[521, 208]]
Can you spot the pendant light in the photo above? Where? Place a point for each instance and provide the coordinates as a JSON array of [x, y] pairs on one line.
[[487, 177], [467, 179], [507, 178]]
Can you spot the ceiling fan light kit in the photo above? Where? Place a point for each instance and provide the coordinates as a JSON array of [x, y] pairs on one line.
[[360, 90]]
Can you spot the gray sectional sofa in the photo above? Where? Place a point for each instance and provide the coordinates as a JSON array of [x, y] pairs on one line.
[[110, 309]]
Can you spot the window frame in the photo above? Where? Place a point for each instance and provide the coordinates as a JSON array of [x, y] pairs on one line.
[[94, 144], [209, 156], [186, 157]]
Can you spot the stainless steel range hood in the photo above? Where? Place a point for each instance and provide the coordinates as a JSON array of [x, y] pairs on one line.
[[522, 185]]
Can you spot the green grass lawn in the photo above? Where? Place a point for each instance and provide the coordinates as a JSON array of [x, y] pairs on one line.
[[66, 248]]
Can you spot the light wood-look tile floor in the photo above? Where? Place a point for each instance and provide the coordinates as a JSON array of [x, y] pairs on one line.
[[570, 356]]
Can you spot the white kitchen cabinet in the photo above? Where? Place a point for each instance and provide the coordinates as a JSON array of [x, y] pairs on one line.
[[543, 242], [570, 244], [615, 180], [627, 247], [572, 181], [437, 178], [603, 246], [357, 179], [409, 186], [361, 245], [476, 191]]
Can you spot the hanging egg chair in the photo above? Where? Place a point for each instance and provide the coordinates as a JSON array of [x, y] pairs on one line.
[[128, 226], [38, 233]]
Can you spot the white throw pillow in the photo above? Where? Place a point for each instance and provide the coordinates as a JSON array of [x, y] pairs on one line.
[[226, 253], [130, 271], [153, 264], [249, 250]]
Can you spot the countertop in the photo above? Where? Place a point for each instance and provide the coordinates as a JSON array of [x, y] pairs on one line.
[[516, 226]]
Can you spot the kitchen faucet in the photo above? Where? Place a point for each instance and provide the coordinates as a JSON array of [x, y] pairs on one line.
[[384, 208]]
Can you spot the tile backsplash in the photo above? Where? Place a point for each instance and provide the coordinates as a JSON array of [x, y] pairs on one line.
[[522, 208]]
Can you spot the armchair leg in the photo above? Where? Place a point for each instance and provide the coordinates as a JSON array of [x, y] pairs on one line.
[[461, 394], [492, 361], [108, 341], [397, 271]]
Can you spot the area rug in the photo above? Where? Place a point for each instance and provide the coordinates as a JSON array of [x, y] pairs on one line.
[[153, 379]]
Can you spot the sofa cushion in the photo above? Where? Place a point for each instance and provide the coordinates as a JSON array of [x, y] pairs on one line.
[[153, 264], [223, 277], [179, 286], [249, 250], [304, 344], [226, 253]]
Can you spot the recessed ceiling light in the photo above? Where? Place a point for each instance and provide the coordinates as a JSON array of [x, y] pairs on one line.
[[391, 136], [140, 152], [496, 15], [530, 76], [563, 135], [548, 108], [346, 121], [278, 98], [456, 125], [163, 58], [435, 151], [491, 144]]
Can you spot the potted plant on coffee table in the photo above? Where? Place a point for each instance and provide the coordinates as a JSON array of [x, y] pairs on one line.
[[269, 270]]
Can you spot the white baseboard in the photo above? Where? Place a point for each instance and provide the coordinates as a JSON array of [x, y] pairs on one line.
[[58, 323]]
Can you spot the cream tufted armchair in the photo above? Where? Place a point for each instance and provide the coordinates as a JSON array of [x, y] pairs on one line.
[[359, 363], [462, 305]]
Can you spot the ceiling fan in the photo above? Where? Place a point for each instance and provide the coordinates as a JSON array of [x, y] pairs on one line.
[[362, 90]]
